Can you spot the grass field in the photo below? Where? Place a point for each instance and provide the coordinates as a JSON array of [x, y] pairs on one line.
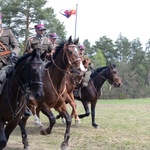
[[124, 125]]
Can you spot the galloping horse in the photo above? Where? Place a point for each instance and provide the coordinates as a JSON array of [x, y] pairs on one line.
[[72, 83], [92, 92], [66, 60], [27, 77]]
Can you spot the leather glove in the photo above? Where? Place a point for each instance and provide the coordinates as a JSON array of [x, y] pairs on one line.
[[13, 57]]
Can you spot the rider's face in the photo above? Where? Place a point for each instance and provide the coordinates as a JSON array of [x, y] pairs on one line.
[[53, 40], [40, 32], [81, 51]]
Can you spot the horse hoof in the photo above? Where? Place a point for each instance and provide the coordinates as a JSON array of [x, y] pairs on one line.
[[43, 132], [27, 147], [77, 122], [63, 146], [96, 126], [39, 125]]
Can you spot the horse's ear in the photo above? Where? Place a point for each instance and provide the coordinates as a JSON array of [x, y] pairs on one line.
[[70, 39], [112, 65], [43, 55], [76, 41]]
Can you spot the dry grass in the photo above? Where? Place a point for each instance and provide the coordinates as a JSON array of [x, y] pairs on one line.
[[124, 125]]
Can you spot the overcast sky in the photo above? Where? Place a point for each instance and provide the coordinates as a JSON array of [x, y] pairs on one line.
[[96, 18]]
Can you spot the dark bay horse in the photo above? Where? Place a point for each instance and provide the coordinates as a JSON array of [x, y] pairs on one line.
[[66, 60], [27, 77], [92, 92]]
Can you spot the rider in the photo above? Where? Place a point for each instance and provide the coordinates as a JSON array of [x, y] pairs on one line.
[[9, 50], [39, 41], [53, 39], [89, 67]]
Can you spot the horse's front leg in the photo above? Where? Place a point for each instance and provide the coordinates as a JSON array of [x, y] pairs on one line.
[[73, 105], [68, 118], [3, 140], [52, 121], [86, 108], [22, 125], [93, 105], [38, 122]]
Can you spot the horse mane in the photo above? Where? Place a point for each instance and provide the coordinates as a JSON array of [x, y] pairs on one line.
[[21, 58], [97, 71], [61, 45], [58, 48], [100, 69]]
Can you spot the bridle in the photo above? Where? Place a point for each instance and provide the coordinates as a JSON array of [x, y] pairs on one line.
[[68, 58], [27, 84], [23, 87], [110, 78]]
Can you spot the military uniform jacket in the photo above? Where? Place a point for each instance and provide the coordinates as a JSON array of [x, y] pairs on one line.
[[9, 43], [40, 43]]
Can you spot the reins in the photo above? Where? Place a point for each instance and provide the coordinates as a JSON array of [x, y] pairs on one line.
[[62, 70], [58, 94]]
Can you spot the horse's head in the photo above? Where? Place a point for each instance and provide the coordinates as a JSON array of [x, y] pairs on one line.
[[113, 78], [72, 57], [29, 74]]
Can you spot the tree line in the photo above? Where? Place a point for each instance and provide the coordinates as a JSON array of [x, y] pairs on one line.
[[131, 59]]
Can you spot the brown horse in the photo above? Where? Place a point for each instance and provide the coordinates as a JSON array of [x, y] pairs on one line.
[[27, 77], [71, 83], [66, 59], [92, 92]]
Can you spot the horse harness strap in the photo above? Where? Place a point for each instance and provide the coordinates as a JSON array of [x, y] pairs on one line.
[[58, 94], [64, 71], [15, 113], [98, 93]]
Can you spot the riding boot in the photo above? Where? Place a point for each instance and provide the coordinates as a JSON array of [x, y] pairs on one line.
[[27, 113]]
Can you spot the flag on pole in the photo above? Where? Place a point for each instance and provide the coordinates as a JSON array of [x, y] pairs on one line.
[[68, 13]]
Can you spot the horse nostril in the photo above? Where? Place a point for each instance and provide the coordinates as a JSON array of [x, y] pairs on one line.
[[119, 85], [39, 95]]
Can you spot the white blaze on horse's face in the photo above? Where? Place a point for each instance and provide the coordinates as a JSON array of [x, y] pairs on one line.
[[82, 67], [76, 50], [81, 64]]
